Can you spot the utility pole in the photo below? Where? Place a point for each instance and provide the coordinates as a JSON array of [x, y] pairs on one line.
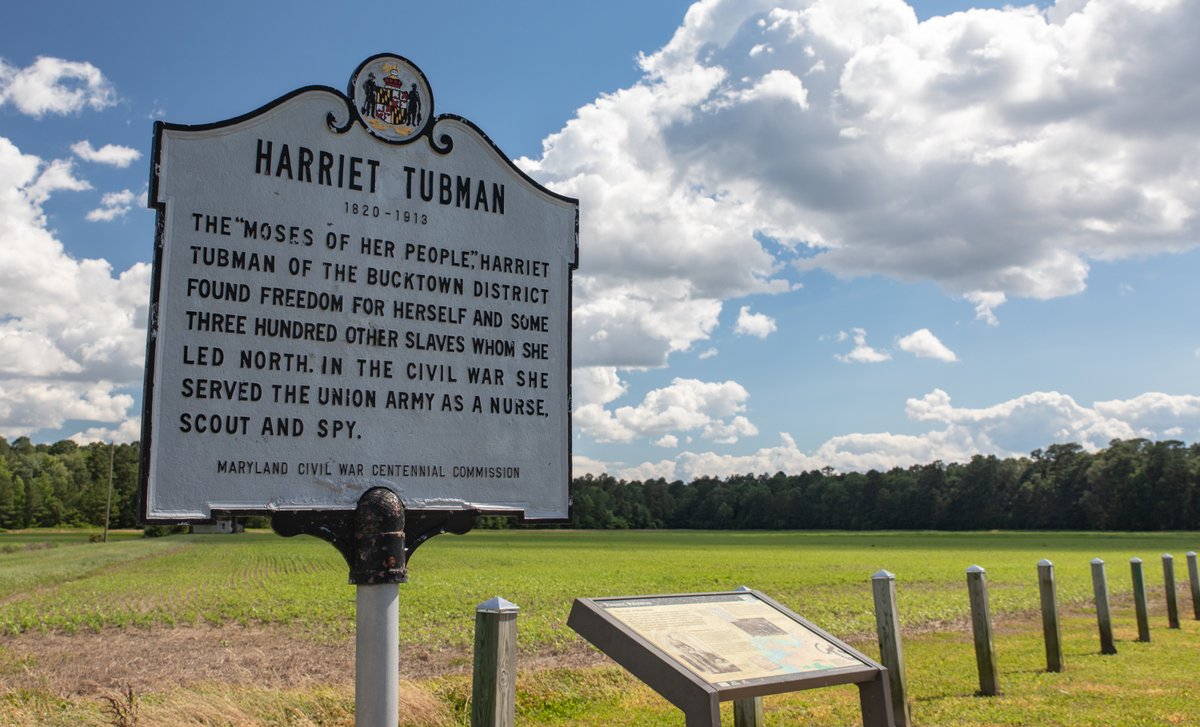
[[108, 504]]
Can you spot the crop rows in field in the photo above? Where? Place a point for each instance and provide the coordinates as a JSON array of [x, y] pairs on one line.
[[174, 580], [302, 582]]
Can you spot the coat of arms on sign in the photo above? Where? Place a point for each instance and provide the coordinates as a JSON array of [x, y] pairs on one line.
[[391, 97]]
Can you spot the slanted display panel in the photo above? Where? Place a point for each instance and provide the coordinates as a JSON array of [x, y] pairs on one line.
[[335, 310], [700, 649], [729, 639]]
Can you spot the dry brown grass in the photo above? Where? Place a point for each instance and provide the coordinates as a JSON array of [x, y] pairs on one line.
[[151, 660], [215, 675], [98, 663]]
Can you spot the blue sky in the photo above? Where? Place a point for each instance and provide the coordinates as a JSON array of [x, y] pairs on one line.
[[852, 234]]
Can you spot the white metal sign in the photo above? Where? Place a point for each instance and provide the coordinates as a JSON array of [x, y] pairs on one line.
[[350, 292]]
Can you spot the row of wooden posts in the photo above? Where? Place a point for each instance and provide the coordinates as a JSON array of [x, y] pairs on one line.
[[494, 679], [888, 623]]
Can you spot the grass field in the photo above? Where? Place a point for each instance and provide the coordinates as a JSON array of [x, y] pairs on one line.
[[57, 586]]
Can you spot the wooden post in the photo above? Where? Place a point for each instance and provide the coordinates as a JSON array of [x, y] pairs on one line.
[[748, 712], [1053, 636], [1103, 612], [891, 653], [494, 681], [1194, 578], [981, 624], [1139, 599], [1169, 584]]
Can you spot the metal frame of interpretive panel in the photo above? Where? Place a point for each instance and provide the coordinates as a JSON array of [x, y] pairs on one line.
[[351, 292], [700, 649]]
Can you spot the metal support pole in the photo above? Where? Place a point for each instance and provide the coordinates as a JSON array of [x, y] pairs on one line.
[[891, 652], [1139, 599], [1050, 629], [1103, 612], [981, 624], [377, 570], [875, 700], [1194, 579], [372, 538], [706, 715], [1169, 585], [494, 679], [748, 712], [377, 655]]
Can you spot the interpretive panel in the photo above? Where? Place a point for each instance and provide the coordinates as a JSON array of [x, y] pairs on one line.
[[350, 292], [700, 649], [728, 639]]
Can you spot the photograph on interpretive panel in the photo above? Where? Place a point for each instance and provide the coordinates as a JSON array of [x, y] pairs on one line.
[[728, 639]]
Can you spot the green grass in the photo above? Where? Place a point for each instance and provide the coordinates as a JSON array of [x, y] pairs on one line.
[[301, 583], [180, 579], [1144, 684]]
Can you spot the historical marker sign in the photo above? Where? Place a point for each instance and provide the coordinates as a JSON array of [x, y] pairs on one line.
[[699, 649], [728, 639], [350, 292]]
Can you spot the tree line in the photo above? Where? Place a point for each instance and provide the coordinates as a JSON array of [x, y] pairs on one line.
[[66, 484], [1133, 484]]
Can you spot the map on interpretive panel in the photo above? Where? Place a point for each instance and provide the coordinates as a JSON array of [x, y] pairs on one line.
[[729, 639]]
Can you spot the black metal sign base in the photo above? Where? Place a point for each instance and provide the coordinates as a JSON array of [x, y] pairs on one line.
[[377, 538]]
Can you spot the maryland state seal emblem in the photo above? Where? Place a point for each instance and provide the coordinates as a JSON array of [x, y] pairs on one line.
[[392, 98]]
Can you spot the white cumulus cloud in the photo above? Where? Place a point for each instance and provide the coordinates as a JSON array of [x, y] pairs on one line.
[[72, 341], [55, 176], [923, 344], [112, 206], [1011, 428], [758, 325], [581, 465], [861, 353], [55, 86], [1156, 415], [714, 410], [986, 302], [992, 152], [596, 385], [112, 154]]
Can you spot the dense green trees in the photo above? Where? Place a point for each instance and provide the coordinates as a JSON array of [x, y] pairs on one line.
[[65, 484], [1134, 484]]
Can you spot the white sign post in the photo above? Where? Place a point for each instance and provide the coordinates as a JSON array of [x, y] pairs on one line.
[[351, 295]]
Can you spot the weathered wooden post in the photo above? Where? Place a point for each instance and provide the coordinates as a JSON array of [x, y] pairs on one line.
[[1103, 612], [1053, 636], [748, 712], [981, 624], [1168, 562], [494, 681], [891, 653], [1194, 579], [1139, 599]]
